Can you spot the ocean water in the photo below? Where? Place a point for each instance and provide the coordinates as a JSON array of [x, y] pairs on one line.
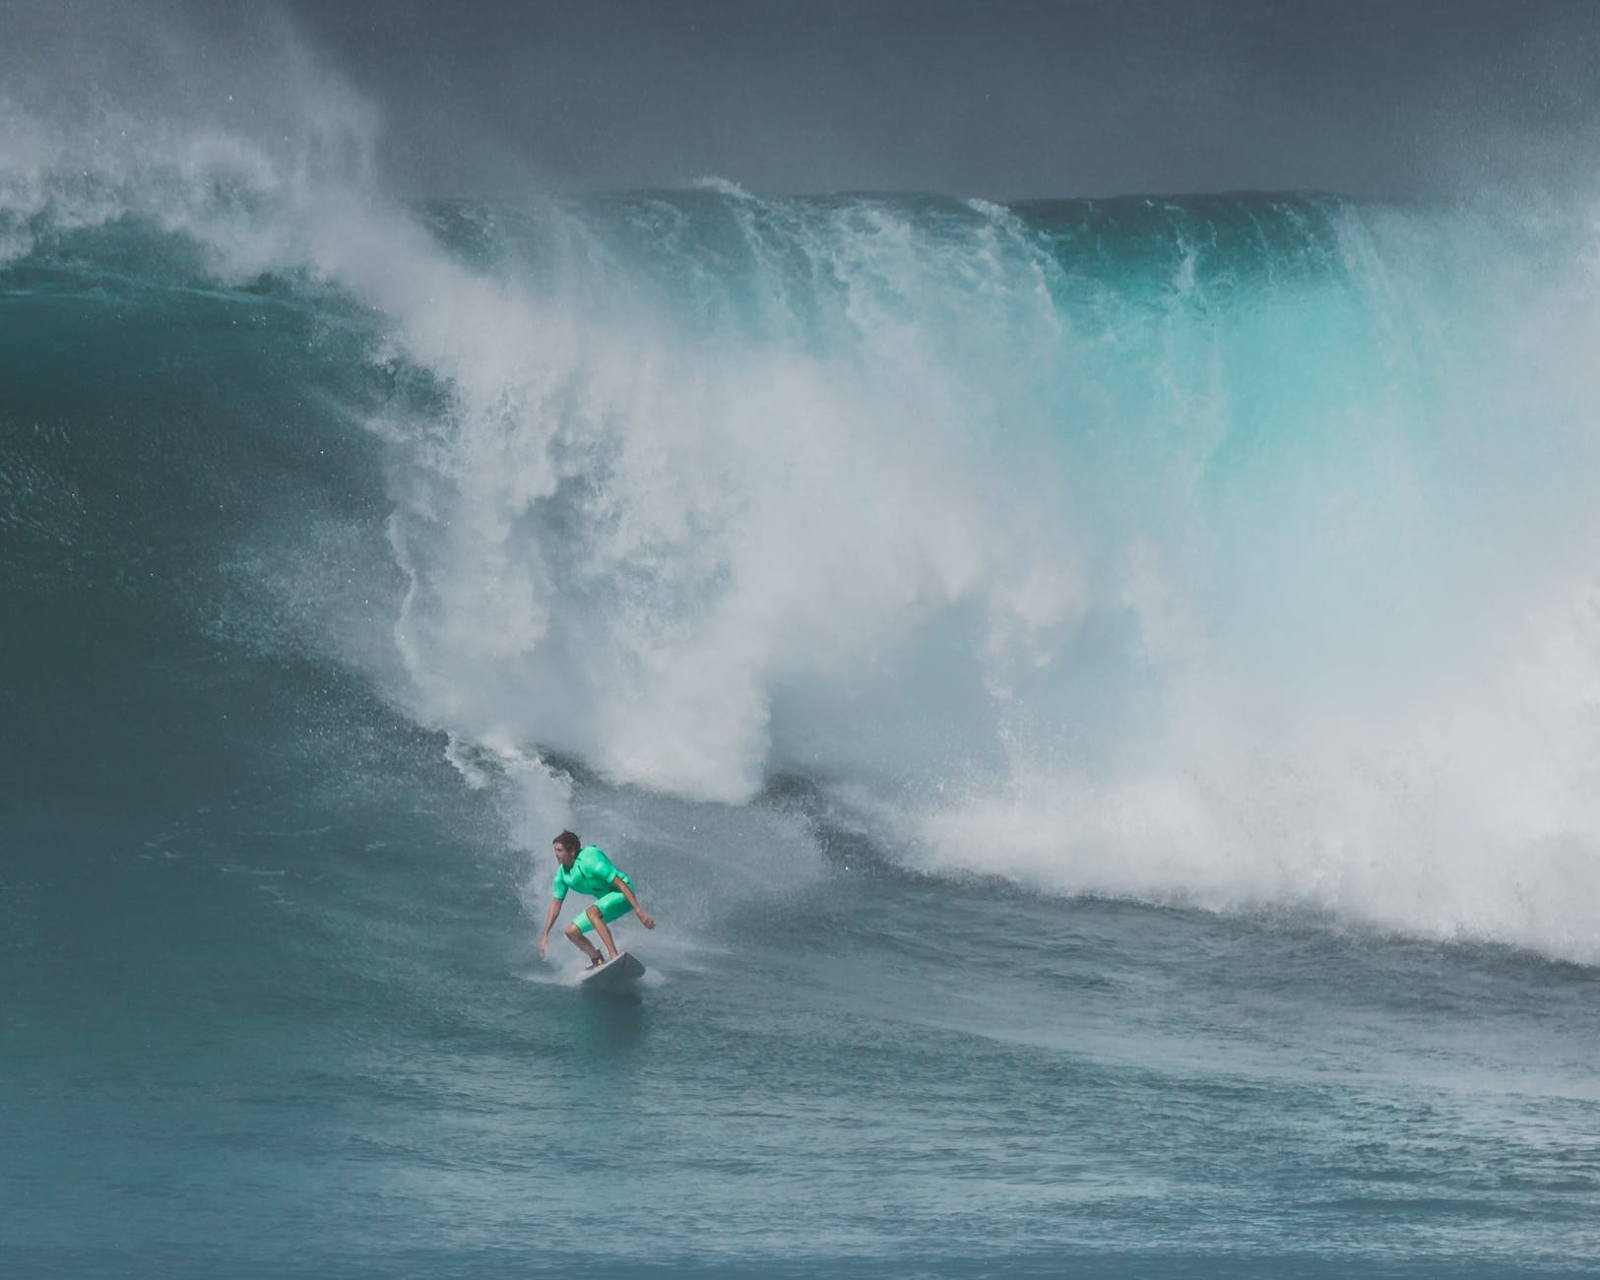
[[1102, 698]]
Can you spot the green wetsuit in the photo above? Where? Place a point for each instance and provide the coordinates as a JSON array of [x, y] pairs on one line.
[[592, 872]]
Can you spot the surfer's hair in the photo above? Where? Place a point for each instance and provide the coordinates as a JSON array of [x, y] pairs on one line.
[[569, 840]]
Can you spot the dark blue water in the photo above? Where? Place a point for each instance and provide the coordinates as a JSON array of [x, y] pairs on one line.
[[1006, 927]]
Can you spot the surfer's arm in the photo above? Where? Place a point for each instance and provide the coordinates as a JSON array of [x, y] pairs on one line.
[[626, 890], [549, 923]]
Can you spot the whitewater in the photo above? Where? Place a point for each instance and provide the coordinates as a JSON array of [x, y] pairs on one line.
[[1101, 697]]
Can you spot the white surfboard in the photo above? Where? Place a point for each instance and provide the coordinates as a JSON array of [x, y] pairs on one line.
[[619, 971]]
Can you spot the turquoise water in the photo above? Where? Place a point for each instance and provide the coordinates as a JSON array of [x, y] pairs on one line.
[[1098, 697]]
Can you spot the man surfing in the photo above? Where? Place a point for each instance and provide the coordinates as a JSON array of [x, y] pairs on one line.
[[588, 870]]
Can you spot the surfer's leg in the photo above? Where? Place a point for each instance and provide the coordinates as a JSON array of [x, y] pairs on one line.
[[597, 921], [583, 944], [605, 909]]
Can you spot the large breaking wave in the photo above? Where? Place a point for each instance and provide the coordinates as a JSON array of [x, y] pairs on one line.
[[1237, 550]]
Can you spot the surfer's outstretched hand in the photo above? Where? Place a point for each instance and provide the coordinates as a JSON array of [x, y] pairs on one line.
[[543, 943], [645, 920]]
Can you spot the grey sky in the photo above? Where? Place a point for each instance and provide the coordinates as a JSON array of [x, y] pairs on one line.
[[1003, 98]]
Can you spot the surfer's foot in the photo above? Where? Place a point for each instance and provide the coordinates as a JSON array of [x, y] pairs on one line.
[[596, 960]]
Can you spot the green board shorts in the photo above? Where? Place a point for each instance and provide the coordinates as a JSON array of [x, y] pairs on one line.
[[611, 906]]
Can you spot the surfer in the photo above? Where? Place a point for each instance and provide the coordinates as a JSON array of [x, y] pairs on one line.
[[588, 870]]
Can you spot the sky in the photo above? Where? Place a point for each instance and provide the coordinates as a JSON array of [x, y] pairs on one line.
[[998, 98]]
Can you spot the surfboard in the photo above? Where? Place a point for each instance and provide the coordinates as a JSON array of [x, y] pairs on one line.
[[616, 972]]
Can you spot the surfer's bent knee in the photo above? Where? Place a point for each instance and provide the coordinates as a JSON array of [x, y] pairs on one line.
[[610, 908]]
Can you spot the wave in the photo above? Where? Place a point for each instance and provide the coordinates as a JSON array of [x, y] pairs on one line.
[[1235, 550]]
